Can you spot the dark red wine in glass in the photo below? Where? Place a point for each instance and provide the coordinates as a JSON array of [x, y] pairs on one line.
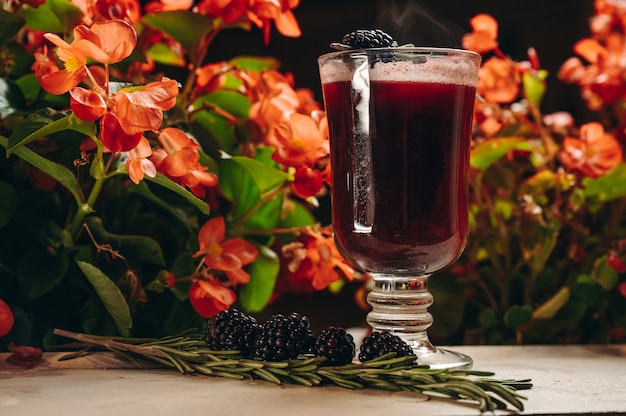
[[400, 126]]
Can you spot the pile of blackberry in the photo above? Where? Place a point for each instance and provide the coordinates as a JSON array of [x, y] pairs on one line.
[[287, 337]]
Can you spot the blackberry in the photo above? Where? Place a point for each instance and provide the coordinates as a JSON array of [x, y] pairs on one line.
[[381, 343], [231, 330], [284, 338], [369, 38], [336, 345]]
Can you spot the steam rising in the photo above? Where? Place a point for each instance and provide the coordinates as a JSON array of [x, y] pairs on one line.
[[411, 22]]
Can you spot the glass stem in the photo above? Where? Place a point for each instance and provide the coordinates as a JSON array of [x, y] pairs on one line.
[[400, 305]]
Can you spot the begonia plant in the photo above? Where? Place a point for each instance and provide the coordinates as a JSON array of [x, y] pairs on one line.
[[139, 202], [546, 257]]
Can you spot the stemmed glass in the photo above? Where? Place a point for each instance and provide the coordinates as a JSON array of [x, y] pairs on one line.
[[400, 122]]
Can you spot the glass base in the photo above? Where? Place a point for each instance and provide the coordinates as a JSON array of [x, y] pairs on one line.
[[442, 358]]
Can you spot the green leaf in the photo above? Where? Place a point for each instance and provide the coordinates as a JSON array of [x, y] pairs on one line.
[[537, 240], [487, 318], [221, 129], [265, 216], [143, 248], [8, 203], [173, 211], [10, 96], [59, 172], [451, 301], [167, 183], [58, 16], [265, 177], [241, 180], [10, 24], [263, 273], [95, 319], [550, 307], [486, 153], [39, 272], [298, 216], [185, 27], [29, 86], [604, 274], [110, 295], [163, 54], [608, 187], [255, 63], [46, 122], [539, 183], [591, 292], [534, 84], [517, 316]]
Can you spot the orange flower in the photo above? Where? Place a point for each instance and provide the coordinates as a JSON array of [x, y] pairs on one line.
[[274, 99], [44, 62], [6, 318], [307, 182], [180, 161], [299, 142], [312, 262], [128, 10], [181, 152], [197, 180], [228, 10], [229, 256], [498, 81], [86, 104], [167, 5], [262, 12], [113, 135], [138, 165], [210, 297], [141, 108], [595, 154], [211, 76], [74, 61], [106, 42], [484, 37], [601, 81]]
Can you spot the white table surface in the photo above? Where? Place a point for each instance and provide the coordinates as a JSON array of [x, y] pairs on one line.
[[567, 380]]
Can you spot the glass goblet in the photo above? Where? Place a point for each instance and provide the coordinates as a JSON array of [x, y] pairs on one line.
[[400, 129]]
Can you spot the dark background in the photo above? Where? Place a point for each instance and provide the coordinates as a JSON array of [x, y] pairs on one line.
[[550, 26]]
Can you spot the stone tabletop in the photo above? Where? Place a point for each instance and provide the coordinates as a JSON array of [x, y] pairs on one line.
[[567, 380]]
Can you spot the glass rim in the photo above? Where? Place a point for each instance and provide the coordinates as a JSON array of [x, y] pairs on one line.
[[417, 50]]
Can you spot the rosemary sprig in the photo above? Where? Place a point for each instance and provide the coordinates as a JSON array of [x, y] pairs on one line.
[[189, 355]]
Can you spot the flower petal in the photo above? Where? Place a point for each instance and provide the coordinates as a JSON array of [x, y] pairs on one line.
[[212, 231], [245, 251]]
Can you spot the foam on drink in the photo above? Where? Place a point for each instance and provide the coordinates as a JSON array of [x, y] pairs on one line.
[[433, 70]]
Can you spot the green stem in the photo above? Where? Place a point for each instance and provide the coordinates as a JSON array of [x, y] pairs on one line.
[[197, 59], [86, 208]]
